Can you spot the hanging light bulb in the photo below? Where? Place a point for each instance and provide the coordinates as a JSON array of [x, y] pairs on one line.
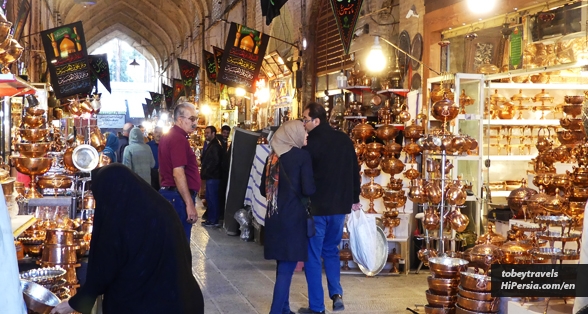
[[376, 60]]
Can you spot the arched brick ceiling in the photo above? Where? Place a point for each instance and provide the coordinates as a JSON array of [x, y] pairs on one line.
[[156, 28]]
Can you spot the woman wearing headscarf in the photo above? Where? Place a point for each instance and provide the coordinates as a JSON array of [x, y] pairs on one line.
[[286, 182], [140, 259], [111, 147]]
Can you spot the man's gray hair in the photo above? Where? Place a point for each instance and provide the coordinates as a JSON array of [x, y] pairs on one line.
[[181, 108]]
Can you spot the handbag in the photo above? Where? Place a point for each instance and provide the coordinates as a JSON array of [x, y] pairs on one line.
[[310, 228]]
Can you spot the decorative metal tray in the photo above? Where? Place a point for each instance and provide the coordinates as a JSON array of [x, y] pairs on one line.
[[44, 276], [554, 220], [381, 254], [31, 241], [558, 236]]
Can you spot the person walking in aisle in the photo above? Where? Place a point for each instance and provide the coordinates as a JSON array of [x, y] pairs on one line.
[[138, 156], [286, 182], [123, 141], [336, 175], [211, 172], [111, 147], [154, 144], [178, 168]]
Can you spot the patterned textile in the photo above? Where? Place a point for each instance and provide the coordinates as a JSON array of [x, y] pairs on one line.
[[272, 175]]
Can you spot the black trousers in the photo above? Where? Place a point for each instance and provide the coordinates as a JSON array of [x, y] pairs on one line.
[[155, 179]]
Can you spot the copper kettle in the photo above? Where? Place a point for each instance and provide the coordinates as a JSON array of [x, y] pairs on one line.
[[459, 222], [89, 201]]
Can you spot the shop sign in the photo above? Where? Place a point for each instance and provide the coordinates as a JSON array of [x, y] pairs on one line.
[[179, 90], [346, 14], [516, 48], [210, 65], [188, 72], [111, 121], [67, 59], [99, 67], [168, 95], [241, 62]]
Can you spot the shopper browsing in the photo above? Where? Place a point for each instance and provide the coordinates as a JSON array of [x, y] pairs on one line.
[[138, 156]]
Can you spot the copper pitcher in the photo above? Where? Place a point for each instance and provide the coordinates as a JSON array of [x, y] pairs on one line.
[[459, 222], [456, 194], [433, 192], [417, 192], [431, 219]]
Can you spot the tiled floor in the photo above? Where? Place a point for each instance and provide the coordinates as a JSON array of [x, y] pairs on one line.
[[236, 279]]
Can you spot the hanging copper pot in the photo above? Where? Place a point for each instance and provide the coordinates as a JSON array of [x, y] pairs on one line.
[[68, 164], [445, 109]]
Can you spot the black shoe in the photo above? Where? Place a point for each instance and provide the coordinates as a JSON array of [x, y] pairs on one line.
[[307, 310], [338, 302], [210, 224]]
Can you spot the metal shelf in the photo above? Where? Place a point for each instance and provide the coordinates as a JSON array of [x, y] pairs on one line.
[[527, 86], [12, 85], [522, 122], [510, 157]]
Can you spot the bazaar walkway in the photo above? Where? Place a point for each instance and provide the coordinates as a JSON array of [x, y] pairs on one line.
[[236, 279]]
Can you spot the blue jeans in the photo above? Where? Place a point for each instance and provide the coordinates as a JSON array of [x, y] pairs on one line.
[[281, 299], [212, 200], [180, 206], [329, 230]]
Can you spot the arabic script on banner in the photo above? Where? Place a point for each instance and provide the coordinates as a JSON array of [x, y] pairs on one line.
[[346, 14]]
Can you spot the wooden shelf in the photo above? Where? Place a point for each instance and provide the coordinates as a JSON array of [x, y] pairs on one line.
[[396, 91], [527, 86]]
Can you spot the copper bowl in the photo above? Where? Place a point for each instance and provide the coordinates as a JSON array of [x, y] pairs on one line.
[[574, 100], [32, 166], [447, 267], [475, 282], [443, 286], [38, 299], [439, 310], [33, 135], [481, 296], [477, 305], [59, 237], [34, 111], [59, 254], [56, 181], [33, 122], [573, 110], [440, 300], [33, 150]]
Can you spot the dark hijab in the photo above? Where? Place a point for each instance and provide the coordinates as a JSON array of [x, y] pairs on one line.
[[111, 147], [139, 258]]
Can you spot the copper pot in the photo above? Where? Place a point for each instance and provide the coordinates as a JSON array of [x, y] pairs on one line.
[[561, 181], [56, 181], [579, 177], [459, 221], [59, 254], [89, 201], [447, 267], [33, 149], [443, 286], [393, 148], [479, 306], [363, 131], [482, 296], [433, 192], [512, 250], [506, 110], [97, 140], [59, 237], [392, 165], [414, 131], [483, 255], [412, 173], [68, 164], [440, 300], [34, 111], [475, 282], [386, 132], [517, 197], [456, 194], [490, 237], [431, 220], [417, 192], [445, 110]]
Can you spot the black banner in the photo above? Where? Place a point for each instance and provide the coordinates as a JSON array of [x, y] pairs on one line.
[[179, 90], [99, 67], [149, 106], [210, 65], [218, 58], [145, 111], [346, 14], [241, 62], [156, 99], [168, 95], [67, 60], [539, 280], [188, 72]]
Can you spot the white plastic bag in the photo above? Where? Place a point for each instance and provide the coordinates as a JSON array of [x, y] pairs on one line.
[[362, 239]]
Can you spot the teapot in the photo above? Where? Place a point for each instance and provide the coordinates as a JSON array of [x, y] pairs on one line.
[[506, 110], [417, 192], [543, 142], [433, 192], [456, 194], [431, 219], [459, 222]]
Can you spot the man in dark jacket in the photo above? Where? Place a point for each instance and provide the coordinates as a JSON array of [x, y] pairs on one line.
[[336, 175], [211, 172], [123, 141]]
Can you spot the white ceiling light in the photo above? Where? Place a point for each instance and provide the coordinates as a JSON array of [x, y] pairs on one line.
[[86, 3], [481, 6]]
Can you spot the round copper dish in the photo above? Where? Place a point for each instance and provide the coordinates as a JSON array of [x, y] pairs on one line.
[[33, 135], [482, 296], [475, 282], [443, 286], [440, 300], [55, 181], [478, 306]]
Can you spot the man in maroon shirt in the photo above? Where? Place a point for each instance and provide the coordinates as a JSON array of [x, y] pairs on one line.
[[178, 168]]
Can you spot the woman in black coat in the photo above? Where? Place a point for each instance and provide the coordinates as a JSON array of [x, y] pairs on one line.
[[140, 260], [286, 183]]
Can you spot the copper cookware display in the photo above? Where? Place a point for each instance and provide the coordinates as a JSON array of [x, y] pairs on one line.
[[517, 198]]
